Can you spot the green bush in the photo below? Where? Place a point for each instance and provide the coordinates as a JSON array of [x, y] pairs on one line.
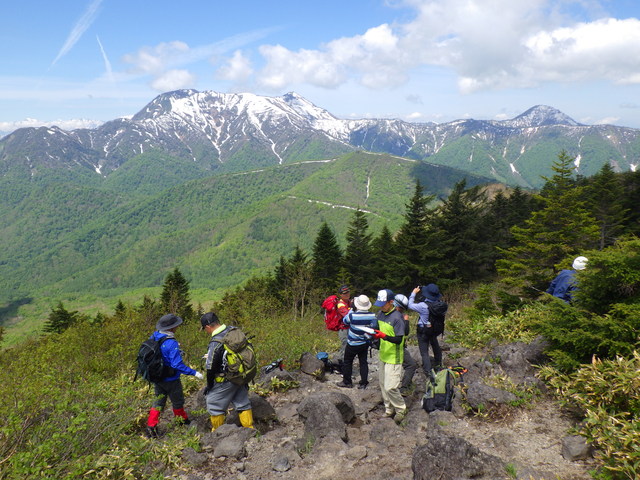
[[607, 392], [476, 331], [612, 277]]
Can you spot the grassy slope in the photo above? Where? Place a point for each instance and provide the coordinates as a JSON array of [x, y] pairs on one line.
[[218, 230]]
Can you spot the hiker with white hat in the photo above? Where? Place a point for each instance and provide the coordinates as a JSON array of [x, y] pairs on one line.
[[358, 341], [565, 284]]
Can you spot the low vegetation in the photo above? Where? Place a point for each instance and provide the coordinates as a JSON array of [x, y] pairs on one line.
[[72, 409]]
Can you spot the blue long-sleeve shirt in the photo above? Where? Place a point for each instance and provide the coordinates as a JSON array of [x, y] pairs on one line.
[[422, 308], [172, 356], [564, 285]]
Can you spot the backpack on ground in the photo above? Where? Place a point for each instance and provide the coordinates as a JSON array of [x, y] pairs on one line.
[[437, 312], [439, 393], [151, 365], [332, 317], [239, 356]]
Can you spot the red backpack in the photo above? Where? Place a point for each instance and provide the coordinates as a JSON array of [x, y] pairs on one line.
[[332, 318]]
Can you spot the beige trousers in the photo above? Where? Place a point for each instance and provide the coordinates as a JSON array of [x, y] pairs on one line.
[[390, 376]]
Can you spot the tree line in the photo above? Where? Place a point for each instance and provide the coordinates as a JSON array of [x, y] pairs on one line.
[[520, 238]]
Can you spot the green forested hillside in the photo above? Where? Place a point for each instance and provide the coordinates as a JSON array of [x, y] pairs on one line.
[[65, 237]]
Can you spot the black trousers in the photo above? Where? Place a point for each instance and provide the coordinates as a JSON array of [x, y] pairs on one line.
[[423, 343], [350, 353]]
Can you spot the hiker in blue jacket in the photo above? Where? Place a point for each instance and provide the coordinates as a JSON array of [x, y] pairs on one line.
[[170, 386], [564, 285], [431, 293]]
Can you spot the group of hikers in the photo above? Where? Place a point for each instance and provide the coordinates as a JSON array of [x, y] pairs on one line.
[[220, 390], [359, 330]]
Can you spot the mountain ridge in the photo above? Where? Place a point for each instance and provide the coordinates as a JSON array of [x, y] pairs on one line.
[[225, 132]]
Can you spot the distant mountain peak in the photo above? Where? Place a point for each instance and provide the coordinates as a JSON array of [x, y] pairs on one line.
[[541, 116]]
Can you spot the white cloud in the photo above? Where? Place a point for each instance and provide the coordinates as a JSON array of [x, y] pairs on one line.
[[493, 44], [173, 80], [154, 60], [63, 124], [237, 69], [608, 121]]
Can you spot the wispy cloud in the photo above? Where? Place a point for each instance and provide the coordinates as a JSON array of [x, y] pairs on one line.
[[107, 63], [78, 29]]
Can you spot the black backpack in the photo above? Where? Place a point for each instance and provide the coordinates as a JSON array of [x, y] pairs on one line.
[[437, 312], [151, 365]]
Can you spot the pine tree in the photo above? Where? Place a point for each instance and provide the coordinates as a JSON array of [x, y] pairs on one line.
[[357, 257], [296, 281], [120, 310], [175, 296], [465, 243], [327, 258], [605, 195], [415, 244], [59, 319], [553, 235], [149, 310], [384, 258], [631, 200]]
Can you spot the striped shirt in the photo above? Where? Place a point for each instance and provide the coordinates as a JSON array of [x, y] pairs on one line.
[[357, 319]]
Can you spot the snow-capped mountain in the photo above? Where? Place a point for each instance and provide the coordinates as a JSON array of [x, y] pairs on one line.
[[233, 132]]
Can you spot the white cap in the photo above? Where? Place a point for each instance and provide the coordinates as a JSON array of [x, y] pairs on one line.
[[580, 263]]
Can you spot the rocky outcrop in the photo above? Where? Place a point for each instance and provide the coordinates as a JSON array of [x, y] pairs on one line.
[[320, 431]]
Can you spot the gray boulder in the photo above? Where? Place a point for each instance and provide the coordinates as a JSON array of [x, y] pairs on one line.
[[480, 396], [448, 457], [326, 414]]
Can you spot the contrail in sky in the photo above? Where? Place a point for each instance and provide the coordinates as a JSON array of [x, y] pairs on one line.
[[107, 63], [79, 28]]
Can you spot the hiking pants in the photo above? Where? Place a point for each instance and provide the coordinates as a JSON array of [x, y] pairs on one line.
[[224, 393], [342, 336], [350, 352], [410, 366], [390, 375], [423, 343], [173, 390]]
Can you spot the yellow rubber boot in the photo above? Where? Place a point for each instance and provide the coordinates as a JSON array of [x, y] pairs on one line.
[[216, 421], [246, 418]]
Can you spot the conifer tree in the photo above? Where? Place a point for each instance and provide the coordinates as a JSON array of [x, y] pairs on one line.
[[175, 295], [327, 258], [357, 256], [465, 243], [59, 319], [415, 244], [150, 310], [605, 195], [384, 258], [296, 280], [120, 310], [562, 229], [631, 200]]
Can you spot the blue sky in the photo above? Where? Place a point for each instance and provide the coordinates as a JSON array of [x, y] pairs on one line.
[[81, 62]]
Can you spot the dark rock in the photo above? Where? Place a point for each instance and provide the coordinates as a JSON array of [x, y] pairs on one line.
[[479, 395], [311, 365], [228, 440], [190, 456], [575, 448], [326, 414], [448, 457]]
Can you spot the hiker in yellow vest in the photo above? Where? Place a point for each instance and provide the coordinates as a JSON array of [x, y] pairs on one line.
[[391, 334], [219, 392]]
